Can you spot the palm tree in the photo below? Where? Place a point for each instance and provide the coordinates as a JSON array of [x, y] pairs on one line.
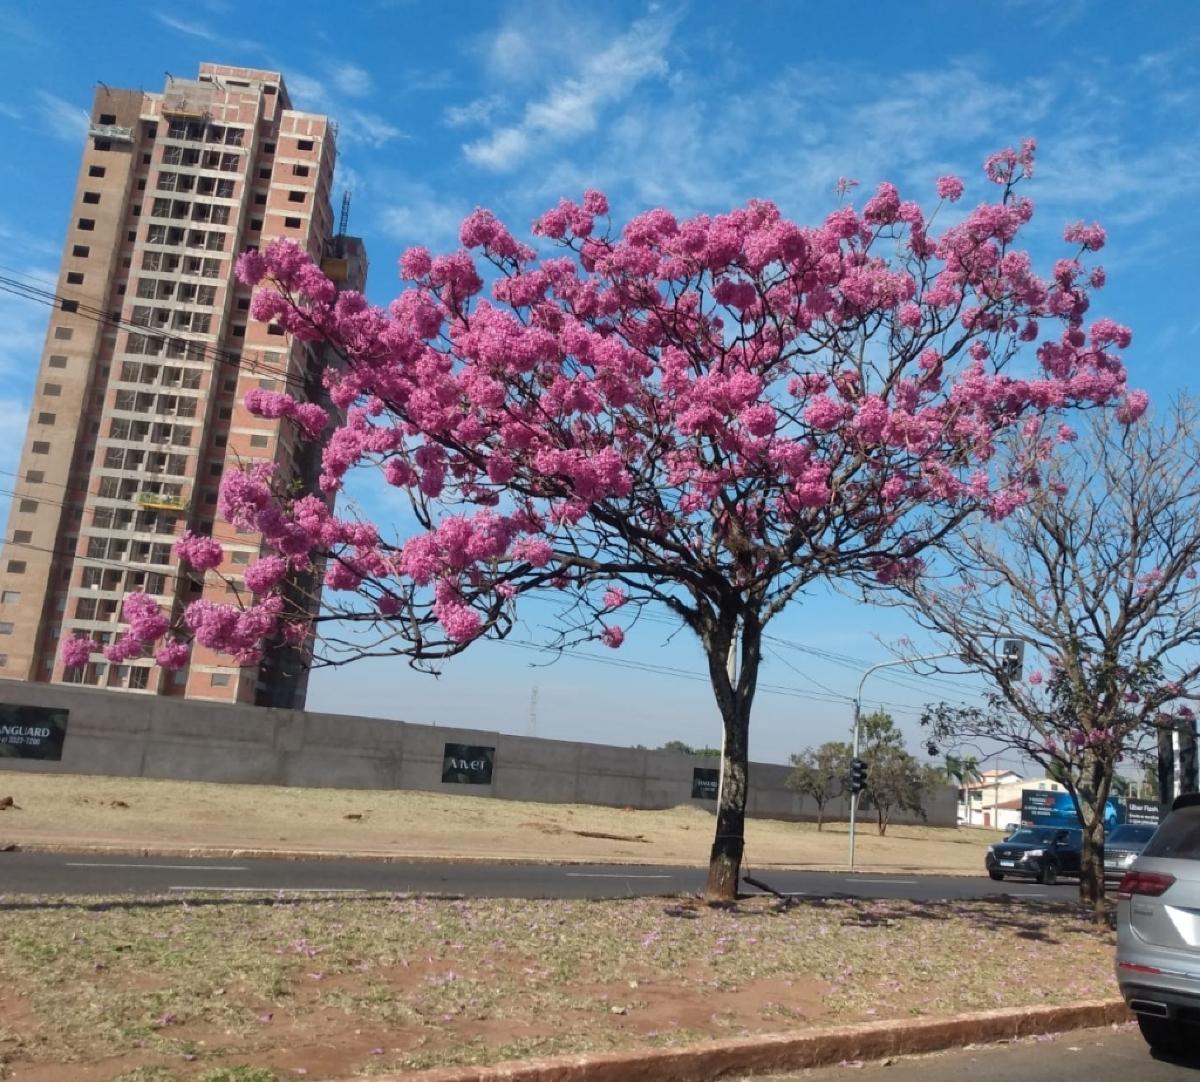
[[963, 772]]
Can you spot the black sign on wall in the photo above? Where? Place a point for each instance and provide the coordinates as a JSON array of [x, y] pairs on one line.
[[705, 781], [468, 764], [31, 732], [1145, 812]]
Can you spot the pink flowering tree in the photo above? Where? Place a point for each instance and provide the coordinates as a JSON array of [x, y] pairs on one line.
[[700, 415], [1097, 573]]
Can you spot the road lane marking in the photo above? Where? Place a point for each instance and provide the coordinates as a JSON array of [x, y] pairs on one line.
[[208, 888], [163, 867], [909, 882], [612, 875]]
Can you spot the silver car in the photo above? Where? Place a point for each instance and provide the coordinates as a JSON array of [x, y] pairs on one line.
[[1122, 847], [1158, 932]]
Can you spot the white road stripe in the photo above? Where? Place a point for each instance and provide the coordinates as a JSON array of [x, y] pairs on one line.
[[612, 875], [209, 889], [164, 867]]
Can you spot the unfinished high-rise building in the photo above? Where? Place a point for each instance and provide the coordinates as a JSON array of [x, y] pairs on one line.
[[137, 411]]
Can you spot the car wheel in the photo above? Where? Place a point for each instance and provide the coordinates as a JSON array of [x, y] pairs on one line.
[[1049, 873], [996, 875], [1163, 1034]]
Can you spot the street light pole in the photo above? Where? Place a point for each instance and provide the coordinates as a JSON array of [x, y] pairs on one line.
[[857, 717], [1012, 656]]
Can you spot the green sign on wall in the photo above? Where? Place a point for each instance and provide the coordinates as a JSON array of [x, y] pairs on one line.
[[31, 732]]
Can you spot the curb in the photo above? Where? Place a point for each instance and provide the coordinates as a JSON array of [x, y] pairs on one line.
[[226, 852], [786, 1051]]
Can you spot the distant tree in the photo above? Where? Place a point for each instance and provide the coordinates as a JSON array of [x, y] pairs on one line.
[[687, 749], [896, 782], [877, 730], [821, 774], [1097, 573]]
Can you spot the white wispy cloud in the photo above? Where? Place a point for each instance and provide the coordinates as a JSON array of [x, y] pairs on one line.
[[1051, 17], [427, 79], [203, 32], [10, 111], [63, 119], [306, 91], [421, 215], [370, 129], [355, 126], [192, 29], [351, 80], [479, 111], [512, 53], [571, 107]]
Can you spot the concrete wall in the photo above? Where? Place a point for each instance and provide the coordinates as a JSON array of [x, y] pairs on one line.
[[148, 736]]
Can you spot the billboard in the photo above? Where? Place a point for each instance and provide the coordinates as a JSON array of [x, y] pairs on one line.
[[31, 732], [1143, 812], [1044, 808]]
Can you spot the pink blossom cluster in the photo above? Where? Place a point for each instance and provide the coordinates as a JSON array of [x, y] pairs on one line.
[[199, 551], [147, 625], [77, 651], [237, 631], [311, 418], [679, 390]]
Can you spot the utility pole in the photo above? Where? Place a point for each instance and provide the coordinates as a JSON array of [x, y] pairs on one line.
[[857, 717], [531, 724], [1013, 658]]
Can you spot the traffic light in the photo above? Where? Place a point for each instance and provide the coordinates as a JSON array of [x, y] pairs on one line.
[[858, 775], [1013, 658]]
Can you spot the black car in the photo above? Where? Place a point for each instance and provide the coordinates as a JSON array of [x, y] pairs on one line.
[[1122, 847], [1041, 853]]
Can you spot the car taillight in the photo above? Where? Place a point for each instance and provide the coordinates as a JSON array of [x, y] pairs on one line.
[[1151, 884]]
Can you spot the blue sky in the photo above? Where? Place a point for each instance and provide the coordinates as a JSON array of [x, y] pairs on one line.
[[693, 106]]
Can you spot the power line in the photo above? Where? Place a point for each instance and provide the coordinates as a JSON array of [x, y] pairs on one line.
[[206, 351], [237, 540], [642, 666]]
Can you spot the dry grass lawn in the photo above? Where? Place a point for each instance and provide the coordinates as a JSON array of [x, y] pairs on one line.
[[135, 813], [245, 989]]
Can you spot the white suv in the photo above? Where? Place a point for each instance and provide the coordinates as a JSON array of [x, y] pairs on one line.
[[1158, 932]]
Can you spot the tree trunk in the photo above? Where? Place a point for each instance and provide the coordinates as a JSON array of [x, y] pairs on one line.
[[1091, 864], [725, 860], [820, 817], [1090, 798], [734, 698]]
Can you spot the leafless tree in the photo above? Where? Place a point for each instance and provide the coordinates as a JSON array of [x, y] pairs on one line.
[[1097, 575]]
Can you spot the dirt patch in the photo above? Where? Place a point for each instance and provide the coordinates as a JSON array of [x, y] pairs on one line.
[[167, 989], [139, 813]]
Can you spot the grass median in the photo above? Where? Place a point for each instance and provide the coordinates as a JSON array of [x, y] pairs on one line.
[[247, 989], [132, 813]]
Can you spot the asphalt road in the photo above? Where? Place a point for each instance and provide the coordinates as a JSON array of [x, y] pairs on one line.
[[1090, 1055], [62, 873]]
